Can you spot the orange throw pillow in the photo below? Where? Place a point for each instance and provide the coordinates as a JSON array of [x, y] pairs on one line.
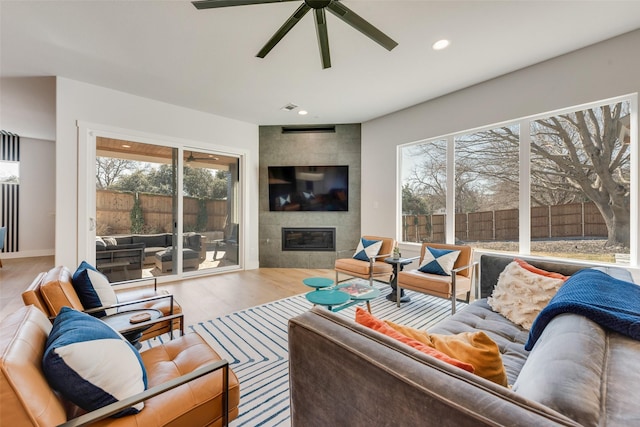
[[365, 318], [524, 264], [476, 348]]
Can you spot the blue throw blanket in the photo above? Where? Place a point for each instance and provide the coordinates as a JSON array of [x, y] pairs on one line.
[[610, 302]]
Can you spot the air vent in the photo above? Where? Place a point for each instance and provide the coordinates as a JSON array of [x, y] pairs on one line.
[[289, 107], [309, 129]]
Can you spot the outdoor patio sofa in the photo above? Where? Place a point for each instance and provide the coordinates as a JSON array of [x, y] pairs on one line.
[[135, 251], [577, 374]]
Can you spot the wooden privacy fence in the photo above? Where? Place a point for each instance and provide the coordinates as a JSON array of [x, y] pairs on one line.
[[113, 213], [558, 221]]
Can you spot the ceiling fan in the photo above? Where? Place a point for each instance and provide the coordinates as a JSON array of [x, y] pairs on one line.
[[194, 159], [318, 6]]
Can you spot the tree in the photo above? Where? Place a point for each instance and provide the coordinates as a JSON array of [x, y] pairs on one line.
[[575, 157], [137, 219], [197, 182], [413, 204], [220, 185], [110, 169], [583, 152], [137, 181]]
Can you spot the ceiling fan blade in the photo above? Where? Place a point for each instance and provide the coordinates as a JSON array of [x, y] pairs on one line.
[[323, 37], [282, 31], [210, 4], [357, 22]]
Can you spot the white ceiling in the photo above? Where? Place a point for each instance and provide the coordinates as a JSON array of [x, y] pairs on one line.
[[205, 60]]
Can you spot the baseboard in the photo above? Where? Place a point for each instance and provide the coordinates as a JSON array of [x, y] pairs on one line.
[[27, 254]]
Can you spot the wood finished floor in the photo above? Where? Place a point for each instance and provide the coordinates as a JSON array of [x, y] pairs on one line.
[[201, 298]]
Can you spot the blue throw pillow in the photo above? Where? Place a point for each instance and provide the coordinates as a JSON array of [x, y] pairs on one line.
[[367, 249], [438, 261], [93, 289], [90, 364]]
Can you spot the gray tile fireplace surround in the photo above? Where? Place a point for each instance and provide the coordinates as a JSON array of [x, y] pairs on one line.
[[276, 148]]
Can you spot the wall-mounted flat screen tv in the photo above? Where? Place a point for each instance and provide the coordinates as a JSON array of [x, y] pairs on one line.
[[309, 188]]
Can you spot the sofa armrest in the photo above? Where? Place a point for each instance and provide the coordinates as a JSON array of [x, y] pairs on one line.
[[106, 411]]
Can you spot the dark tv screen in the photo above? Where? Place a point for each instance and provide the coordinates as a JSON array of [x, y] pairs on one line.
[[309, 188]]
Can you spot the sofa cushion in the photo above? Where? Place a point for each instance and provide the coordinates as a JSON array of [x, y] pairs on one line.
[[153, 240], [438, 261], [584, 371], [110, 241], [475, 348], [510, 338], [90, 364], [520, 295], [367, 249], [93, 289], [100, 244], [365, 318], [524, 264]]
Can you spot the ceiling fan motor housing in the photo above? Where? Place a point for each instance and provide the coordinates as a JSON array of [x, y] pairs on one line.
[[318, 4]]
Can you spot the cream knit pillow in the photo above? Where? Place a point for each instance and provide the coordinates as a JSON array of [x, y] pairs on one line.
[[520, 295]]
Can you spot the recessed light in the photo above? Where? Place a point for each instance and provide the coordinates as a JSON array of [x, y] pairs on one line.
[[303, 112], [441, 44], [126, 146]]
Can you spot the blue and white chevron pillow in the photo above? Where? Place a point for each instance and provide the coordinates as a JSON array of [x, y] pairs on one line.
[[438, 261], [367, 249], [90, 364]]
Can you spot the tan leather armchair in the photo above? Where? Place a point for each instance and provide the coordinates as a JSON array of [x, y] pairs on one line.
[[52, 290], [209, 397], [448, 287], [369, 270]]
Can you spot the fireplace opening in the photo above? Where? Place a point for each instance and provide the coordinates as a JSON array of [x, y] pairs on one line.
[[309, 239]]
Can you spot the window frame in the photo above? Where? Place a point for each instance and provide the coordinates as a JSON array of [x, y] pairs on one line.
[[524, 203]]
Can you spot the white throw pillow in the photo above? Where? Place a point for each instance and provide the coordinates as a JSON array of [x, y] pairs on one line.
[[520, 295]]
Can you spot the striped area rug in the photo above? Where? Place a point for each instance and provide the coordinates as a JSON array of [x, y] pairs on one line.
[[254, 341]]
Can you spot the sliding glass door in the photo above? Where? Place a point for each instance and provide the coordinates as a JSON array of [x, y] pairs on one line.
[[148, 210], [210, 210]]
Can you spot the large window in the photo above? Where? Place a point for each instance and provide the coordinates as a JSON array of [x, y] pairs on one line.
[[570, 170]]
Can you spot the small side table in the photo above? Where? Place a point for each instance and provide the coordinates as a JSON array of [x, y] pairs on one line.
[[398, 265], [318, 282], [120, 322]]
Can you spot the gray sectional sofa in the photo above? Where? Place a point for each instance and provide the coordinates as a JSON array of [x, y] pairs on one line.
[[137, 251], [578, 374]]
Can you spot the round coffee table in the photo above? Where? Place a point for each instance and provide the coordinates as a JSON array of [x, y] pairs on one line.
[[318, 282], [328, 298]]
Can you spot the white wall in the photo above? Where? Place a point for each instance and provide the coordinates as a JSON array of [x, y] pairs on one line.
[[27, 108], [87, 103], [37, 197], [604, 70]]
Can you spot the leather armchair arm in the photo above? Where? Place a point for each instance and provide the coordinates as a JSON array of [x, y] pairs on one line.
[[138, 301], [464, 267], [341, 251], [137, 326], [136, 281], [116, 407]]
